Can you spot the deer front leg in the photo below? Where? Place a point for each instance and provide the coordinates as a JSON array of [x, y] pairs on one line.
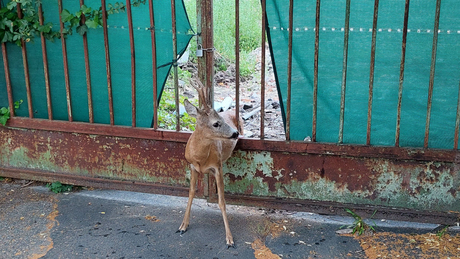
[[220, 191], [193, 178]]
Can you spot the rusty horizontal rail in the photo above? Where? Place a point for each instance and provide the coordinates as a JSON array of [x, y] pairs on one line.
[[327, 208], [419, 154], [77, 180], [334, 208]]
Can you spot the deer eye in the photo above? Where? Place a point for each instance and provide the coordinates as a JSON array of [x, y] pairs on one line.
[[215, 125]]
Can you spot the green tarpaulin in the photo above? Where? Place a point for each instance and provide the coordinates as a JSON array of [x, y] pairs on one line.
[[387, 69], [120, 61]]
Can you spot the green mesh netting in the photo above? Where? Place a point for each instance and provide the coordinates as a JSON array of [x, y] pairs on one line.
[[120, 61], [387, 67]]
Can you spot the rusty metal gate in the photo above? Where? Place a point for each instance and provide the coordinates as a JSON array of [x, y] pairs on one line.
[[305, 175]]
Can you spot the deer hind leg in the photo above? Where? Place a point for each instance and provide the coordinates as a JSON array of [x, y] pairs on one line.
[[220, 192], [193, 178]]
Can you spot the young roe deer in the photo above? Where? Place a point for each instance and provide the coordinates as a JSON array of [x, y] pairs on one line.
[[209, 146]]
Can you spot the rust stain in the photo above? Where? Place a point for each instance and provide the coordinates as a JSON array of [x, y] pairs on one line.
[[347, 173], [51, 223], [152, 218], [261, 251], [266, 227]]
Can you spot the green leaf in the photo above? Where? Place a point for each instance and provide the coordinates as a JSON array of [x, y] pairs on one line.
[[11, 5], [82, 29], [4, 111], [3, 120], [66, 16], [7, 37], [84, 9], [4, 115], [92, 24], [17, 104], [74, 22]]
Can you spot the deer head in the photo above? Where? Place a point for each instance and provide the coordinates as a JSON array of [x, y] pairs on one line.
[[209, 122]]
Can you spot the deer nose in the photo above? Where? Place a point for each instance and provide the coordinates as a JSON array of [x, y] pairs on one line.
[[235, 134]]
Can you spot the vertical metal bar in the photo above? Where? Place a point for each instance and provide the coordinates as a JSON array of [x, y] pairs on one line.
[[154, 65], [401, 72], [66, 66], [237, 62], [87, 70], [457, 120], [107, 61], [6, 67], [371, 75], [262, 74], [8, 80], [205, 30], [315, 73], [433, 65], [133, 62], [206, 66], [344, 70], [289, 79], [176, 77], [45, 66], [26, 69]]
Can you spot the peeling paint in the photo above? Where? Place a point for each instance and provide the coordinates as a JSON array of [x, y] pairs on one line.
[[383, 182], [95, 156], [390, 182]]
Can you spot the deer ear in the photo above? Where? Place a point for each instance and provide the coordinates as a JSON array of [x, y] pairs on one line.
[[191, 109]]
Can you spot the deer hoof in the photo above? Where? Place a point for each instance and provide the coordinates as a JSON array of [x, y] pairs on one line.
[[181, 231], [231, 245]]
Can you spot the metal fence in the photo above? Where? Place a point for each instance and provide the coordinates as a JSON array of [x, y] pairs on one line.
[[174, 140]]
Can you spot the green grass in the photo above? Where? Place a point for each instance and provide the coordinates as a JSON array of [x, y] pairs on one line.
[[224, 30]]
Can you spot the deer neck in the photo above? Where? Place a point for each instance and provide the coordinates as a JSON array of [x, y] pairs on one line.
[[201, 150]]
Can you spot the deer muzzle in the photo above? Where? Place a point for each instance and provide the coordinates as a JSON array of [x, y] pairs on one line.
[[235, 135]]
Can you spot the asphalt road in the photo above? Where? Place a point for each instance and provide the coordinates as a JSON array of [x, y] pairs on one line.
[[36, 223]]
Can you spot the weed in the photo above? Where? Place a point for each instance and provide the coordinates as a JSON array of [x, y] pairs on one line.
[[5, 113], [58, 187], [167, 107], [442, 232], [2, 178], [359, 226]]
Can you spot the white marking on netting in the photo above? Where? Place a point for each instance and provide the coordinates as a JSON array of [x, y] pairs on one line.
[[389, 30]]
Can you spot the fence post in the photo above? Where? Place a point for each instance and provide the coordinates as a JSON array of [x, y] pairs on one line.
[[205, 31]]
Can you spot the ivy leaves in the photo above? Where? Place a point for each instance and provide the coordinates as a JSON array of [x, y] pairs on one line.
[[93, 18], [14, 29]]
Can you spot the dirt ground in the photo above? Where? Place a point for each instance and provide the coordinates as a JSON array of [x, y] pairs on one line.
[[429, 245]]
